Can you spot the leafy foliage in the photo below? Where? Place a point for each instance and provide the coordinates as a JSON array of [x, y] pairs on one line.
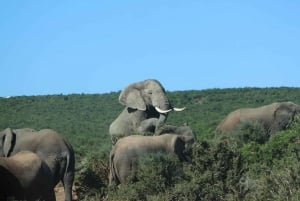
[[92, 179], [157, 173], [214, 174], [274, 166], [82, 119], [248, 132], [251, 166]]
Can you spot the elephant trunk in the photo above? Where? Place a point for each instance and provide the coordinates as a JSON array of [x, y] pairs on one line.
[[163, 109], [161, 120], [162, 104]]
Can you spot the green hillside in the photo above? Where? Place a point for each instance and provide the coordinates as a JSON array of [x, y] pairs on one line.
[[84, 120]]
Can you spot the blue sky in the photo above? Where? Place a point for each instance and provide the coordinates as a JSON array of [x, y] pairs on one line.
[[64, 47]]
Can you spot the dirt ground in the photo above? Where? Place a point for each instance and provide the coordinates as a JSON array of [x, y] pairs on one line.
[[60, 193]]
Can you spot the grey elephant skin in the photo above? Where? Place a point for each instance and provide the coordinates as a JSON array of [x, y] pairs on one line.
[[273, 117], [52, 148], [147, 107], [180, 130], [127, 151], [25, 176]]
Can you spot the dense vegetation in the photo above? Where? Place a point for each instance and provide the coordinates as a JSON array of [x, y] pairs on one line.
[[223, 169]]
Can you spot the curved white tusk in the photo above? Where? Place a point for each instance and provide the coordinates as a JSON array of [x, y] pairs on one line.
[[178, 109], [162, 111]]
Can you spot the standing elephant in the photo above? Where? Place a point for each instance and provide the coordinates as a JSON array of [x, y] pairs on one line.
[[147, 107], [57, 153], [25, 176], [127, 151], [274, 117]]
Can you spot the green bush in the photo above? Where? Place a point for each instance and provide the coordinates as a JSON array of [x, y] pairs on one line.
[[276, 184], [247, 132], [92, 178], [218, 171], [281, 146], [156, 174], [274, 167], [215, 173], [253, 132]]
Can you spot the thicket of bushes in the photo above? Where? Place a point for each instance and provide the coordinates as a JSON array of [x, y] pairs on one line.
[[222, 169], [250, 166]]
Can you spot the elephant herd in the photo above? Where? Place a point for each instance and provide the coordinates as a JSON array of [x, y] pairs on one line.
[[33, 162], [146, 111], [136, 131]]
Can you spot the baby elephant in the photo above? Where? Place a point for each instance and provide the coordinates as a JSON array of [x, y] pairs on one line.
[[25, 176], [127, 150]]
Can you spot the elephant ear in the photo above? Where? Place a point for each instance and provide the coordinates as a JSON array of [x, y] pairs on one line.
[[132, 97], [8, 141], [284, 111], [179, 146], [282, 115]]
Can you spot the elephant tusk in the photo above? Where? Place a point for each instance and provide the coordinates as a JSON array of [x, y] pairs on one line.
[[162, 111], [178, 109]]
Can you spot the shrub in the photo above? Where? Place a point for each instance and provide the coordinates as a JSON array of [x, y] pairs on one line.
[[214, 174], [277, 185], [253, 132], [92, 178], [274, 167], [156, 174]]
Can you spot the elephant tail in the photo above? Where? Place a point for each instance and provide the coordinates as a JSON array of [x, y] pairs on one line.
[[69, 174], [70, 167], [69, 171], [113, 179]]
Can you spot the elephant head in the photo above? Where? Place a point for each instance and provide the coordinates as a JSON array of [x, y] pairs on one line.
[[283, 114], [147, 107], [185, 132]]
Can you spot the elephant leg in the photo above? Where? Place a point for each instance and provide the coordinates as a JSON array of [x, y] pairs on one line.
[[50, 196], [147, 126], [68, 182], [47, 194]]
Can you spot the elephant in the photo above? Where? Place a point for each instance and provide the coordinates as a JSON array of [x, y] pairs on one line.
[[52, 148], [184, 130], [147, 108], [127, 151], [25, 176], [273, 117]]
